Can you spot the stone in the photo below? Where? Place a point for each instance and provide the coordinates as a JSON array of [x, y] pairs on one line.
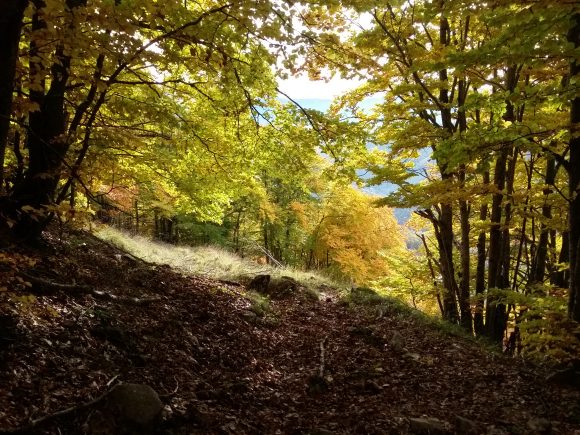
[[539, 425], [468, 427], [412, 356], [250, 317], [260, 283], [282, 287], [397, 341], [568, 376], [427, 426], [136, 404]]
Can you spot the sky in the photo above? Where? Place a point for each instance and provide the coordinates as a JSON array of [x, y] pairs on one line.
[[302, 88]]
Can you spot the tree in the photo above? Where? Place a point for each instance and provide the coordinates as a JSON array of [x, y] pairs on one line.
[[11, 19], [455, 80], [574, 175], [83, 54], [352, 235]]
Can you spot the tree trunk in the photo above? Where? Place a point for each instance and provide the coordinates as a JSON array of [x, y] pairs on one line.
[[574, 181], [11, 15], [443, 227], [464, 291], [561, 278], [539, 260], [494, 318], [480, 273], [498, 273], [46, 139]]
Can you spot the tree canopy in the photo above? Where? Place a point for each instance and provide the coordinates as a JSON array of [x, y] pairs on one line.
[[170, 114]]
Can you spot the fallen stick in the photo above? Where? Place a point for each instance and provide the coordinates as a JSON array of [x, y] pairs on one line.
[[321, 368], [124, 299], [317, 383], [54, 286], [34, 423]]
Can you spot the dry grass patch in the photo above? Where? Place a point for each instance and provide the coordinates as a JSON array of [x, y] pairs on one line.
[[210, 261]]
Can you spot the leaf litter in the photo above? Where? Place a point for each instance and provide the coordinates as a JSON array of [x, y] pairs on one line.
[[219, 370]]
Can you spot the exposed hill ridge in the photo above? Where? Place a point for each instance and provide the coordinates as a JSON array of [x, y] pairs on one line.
[[221, 366]]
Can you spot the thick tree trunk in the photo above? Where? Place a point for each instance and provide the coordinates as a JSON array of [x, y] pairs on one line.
[[443, 227], [574, 181], [11, 16], [47, 143], [445, 221]]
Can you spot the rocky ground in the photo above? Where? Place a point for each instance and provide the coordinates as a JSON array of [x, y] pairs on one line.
[[221, 362]]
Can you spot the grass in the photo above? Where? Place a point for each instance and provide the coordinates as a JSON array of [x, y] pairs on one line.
[[260, 304], [392, 306], [210, 261]]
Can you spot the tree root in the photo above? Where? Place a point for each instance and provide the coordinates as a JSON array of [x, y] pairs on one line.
[[34, 423], [48, 286], [51, 286]]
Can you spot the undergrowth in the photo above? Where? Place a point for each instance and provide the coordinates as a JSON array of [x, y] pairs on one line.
[[383, 304], [260, 304]]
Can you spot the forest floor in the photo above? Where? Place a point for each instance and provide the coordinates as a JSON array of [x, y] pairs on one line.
[[222, 366]]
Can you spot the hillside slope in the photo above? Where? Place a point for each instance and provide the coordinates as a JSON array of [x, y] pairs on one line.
[[221, 365]]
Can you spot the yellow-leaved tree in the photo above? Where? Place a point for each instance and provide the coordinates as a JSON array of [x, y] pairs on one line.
[[351, 234]]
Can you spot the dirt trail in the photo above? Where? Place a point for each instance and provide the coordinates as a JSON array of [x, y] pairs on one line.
[[219, 368]]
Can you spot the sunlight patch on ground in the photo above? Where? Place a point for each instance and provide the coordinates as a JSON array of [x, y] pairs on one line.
[[210, 261]]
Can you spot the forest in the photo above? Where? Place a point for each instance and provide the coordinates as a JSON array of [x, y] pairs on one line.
[[167, 119]]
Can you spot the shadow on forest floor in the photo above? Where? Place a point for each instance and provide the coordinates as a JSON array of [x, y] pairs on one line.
[[304, 366]]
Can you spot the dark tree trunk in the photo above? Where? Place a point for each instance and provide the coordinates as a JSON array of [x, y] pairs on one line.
[[539, 261], [446, 261], [451, 294], [443, 226], [46, 140], [166, 229], [574, 181], [561, 278], [11, 15], [464, 208], [499, 255], [236, 232], [480, 273], [494, 310]]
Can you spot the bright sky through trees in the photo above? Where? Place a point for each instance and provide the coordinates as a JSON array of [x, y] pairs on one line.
[[302, 88]]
